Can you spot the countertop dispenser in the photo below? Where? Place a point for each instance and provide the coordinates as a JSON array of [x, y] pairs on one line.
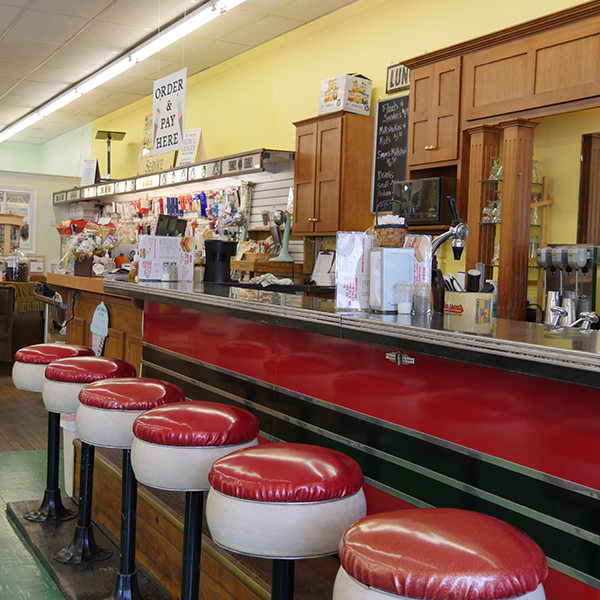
[[457, 233]]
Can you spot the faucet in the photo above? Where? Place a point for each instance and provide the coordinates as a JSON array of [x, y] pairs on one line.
[[457, 233], [584, 322]]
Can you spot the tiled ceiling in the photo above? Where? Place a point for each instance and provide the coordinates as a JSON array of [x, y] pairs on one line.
[[47, 46]]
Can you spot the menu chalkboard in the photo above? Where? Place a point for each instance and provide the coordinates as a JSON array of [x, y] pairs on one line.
[[389, 148]]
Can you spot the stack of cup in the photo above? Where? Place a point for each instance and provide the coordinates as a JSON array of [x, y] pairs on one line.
[[404, 297], [422, 298]]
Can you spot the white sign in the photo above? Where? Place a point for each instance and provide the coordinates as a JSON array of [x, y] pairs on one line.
[[90, 167], [168, 108], [189, 151]]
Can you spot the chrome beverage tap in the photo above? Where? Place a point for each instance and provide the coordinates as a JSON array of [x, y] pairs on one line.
[[457, 233]]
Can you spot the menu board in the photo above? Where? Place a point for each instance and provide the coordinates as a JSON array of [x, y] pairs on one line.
[[389, 147]]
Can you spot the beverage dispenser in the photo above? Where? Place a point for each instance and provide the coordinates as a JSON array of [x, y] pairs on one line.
[[571, 278]]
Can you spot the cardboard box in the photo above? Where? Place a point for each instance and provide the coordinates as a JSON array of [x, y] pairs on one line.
[[352, 270], [157, 252], [351, 92]]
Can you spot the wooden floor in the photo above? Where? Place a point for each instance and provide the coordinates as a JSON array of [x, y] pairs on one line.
[[23, 419]]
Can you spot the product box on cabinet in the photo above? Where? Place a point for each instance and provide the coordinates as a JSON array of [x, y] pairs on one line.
[[158, 252], [350, 92]]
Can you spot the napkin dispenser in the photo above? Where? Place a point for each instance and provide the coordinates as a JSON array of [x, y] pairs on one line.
[[389, 266]]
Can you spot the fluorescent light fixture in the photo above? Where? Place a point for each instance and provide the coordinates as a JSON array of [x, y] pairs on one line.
[[209, 11], [22, 124], [106, 75]]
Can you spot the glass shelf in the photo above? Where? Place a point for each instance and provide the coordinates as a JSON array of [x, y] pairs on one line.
[[500, 181]]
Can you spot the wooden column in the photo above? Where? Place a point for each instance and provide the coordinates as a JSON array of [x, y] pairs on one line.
[[517, 165], [588, 217], [484, 143]]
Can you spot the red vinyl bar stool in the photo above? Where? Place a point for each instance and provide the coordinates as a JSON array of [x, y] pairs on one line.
[[284, 502], [28, 374], [438, 554], [174, 449], [64, 380], [107, 410]]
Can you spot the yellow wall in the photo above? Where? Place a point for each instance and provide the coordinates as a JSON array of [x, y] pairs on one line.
[[252, 100]]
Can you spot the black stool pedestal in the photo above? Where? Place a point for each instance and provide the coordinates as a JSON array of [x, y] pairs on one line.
[[52, 509], [282, 584], [83, 550], [126, 587], [192, 545]]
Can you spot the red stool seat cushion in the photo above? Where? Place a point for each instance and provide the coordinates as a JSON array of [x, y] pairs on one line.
[[130, 393], [286, 473], [442, 554], [196, 424], [44, 354], [87, 369]]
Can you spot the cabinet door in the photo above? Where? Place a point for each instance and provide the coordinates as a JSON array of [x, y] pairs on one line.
[[305, 166], [434, 112], [328, 174]]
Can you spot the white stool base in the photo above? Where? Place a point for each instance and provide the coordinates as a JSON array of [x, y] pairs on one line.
[[28, 377], [177, 468], [274, 530], [106, 428], [348, 588], [61, 397]]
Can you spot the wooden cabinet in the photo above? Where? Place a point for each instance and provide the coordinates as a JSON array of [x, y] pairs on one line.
[[333, 174], [552, 68], [434, 112]]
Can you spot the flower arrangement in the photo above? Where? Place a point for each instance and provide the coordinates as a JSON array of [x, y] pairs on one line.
[[94, 240]]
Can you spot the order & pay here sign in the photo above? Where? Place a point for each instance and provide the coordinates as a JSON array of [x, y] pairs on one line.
[[168, 108]]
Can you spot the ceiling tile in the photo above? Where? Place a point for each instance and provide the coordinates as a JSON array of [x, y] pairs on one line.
[[47, 27], [48, 74], [262, 30], [230, 21], [87, 60], [37, 90], [7, 15], [264, 7], [142, 86], [110, 36], [13, 69], [82, 8], [308, 10], [19, 3], [23, 51], [6, 83], [150, 14]]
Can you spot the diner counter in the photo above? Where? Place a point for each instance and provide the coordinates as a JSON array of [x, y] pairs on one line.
[[499, 417], [570, 355]]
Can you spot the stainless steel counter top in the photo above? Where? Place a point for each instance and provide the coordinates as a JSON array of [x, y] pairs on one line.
[[529, 348]]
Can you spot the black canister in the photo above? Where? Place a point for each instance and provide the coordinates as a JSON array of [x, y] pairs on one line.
[[217, 262]]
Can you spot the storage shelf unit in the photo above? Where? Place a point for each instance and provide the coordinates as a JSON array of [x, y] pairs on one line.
[[10, 231]]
